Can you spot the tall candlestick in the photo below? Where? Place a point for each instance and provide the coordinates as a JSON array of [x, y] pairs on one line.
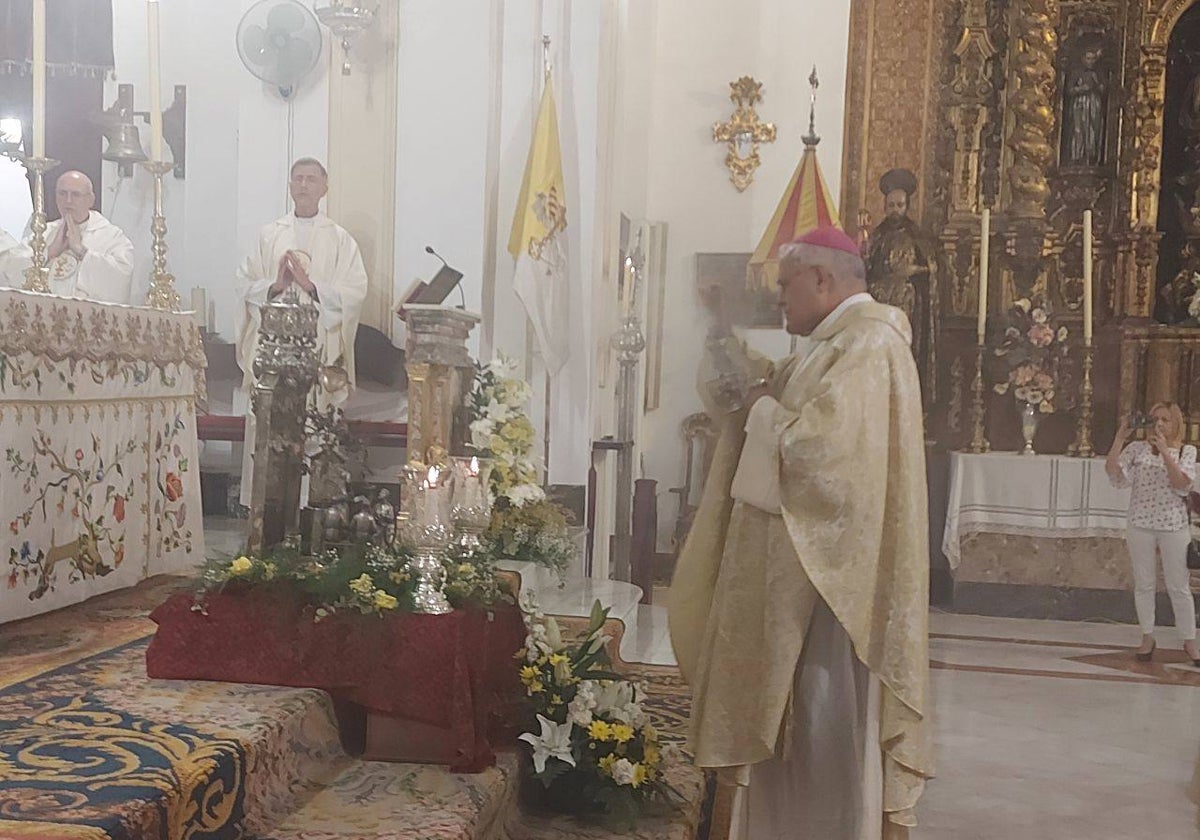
[[156, 139], [199, 308], [627, 306], [1087, 277], [39, 78], [985, 233]]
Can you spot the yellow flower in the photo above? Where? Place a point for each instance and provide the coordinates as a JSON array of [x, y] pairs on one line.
[[364, 586], [385, 601], [622, 733], [556, 658], [649, 733], [398, 576], [536, 687], [268, 571], [555, 700], [528, 674], [241, 566], [600, 731], [606, 763], [652, 755], [465, 569], [639, 774]]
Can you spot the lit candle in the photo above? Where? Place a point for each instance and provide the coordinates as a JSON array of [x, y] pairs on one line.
[[629, 290], [984, 237], [1087, 277], [432, 507], [156, 140], [39, 78]]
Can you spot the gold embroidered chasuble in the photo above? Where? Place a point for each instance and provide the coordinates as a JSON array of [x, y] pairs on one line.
[[854, 524]]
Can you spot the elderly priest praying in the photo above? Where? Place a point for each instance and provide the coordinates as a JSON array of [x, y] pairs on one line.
[[799, 609], [89, 257], [306, 250]]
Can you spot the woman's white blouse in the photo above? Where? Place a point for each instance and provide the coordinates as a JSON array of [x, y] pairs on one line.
[[1153, 503]]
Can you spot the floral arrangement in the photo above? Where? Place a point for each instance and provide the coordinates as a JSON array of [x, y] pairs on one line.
[[370, 579], [525, 524], [1194, 301], [595, 751], [1032, 351]]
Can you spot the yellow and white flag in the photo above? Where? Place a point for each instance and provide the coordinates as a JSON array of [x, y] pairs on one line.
[[539, 239]]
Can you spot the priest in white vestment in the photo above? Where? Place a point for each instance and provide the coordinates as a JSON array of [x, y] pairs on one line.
[[799, 607], [89, 257], [308, 250]]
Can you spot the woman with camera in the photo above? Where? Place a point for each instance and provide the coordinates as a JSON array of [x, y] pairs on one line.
[[1159, 471]]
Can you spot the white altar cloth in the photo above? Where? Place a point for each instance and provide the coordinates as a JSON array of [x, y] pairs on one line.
[[100, 485], [1032, 495]]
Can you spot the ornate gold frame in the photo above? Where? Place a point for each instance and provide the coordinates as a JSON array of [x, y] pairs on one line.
[[745, 125]]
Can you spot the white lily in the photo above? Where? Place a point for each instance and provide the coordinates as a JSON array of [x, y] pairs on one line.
[[554, 742]]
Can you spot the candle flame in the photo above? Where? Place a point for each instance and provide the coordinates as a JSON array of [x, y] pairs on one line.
[[474, 465], [431, 479]]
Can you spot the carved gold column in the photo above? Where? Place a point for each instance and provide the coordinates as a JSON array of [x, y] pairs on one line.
[[1029, 149], [440, 372]]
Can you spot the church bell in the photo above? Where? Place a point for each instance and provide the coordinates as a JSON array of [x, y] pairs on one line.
[[124, 144]]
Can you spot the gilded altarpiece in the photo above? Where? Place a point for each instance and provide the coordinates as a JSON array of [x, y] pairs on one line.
[[1040, 110]]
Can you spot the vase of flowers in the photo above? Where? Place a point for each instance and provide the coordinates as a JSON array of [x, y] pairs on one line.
[[1032, 351], [591, 748]]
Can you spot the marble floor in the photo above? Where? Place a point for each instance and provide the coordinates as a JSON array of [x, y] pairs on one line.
[[1044, 730]]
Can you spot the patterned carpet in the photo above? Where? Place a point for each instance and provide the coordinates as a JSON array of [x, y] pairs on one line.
[[92, 750]]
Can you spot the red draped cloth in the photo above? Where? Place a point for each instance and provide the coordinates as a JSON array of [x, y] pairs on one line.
[[456, 671]]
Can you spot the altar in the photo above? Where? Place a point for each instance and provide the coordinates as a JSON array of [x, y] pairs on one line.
[[1038, 521], [100, 488]]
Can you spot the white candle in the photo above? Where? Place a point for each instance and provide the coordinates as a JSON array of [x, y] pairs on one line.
[[432, 507], [156, 150], [39, 78], [984, 237], [629, 280], [199, 308], [1087, 277]]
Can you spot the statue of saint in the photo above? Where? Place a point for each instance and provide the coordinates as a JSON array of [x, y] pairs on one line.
[[1084, 112], [902, 268]]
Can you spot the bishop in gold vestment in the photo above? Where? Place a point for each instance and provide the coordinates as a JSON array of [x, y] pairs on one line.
[[799, 608]]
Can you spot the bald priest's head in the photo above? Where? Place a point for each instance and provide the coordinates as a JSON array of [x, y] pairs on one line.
[[74, 196], [817, 272]]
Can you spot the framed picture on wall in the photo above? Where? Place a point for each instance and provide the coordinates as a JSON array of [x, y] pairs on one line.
[[722, 282]]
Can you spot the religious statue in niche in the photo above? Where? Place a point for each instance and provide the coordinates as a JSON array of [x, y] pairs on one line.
[[1085, 107], [902, 270]]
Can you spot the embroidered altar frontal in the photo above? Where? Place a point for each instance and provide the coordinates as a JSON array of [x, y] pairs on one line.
[[100, 485]]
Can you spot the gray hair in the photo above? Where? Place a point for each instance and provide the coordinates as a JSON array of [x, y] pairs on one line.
[[309, 161], [842, 265]]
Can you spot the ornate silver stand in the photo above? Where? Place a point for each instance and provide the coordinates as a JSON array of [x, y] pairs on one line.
[[162, 294], [285, 369], [429, 543], [629, 342], [37, 276]]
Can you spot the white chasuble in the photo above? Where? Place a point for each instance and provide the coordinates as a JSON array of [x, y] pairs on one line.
[[335, 267], [844, 529], [104, 274]]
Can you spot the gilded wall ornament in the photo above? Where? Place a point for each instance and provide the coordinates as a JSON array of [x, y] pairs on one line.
[[743, 132]]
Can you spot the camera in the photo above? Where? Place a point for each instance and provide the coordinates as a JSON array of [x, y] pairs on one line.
[[1137, 420]]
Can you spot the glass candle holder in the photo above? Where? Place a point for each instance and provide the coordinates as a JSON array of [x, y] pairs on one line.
[[429, 529], [472, 507]]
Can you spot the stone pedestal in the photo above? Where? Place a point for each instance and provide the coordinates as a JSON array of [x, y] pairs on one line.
[[440, 373]]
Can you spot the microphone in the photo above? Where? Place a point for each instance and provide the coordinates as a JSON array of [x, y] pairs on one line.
[[446, 265]]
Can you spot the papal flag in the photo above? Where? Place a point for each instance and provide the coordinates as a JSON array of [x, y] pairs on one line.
[[539, 239]]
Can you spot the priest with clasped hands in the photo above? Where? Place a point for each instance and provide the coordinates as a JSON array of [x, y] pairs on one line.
[[89, 257], [799, 607], [309, 251]]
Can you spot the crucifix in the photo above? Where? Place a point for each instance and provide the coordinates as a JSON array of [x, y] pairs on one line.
[[743, 131]]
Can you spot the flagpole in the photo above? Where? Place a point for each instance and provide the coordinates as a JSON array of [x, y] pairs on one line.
[[545, 367]]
